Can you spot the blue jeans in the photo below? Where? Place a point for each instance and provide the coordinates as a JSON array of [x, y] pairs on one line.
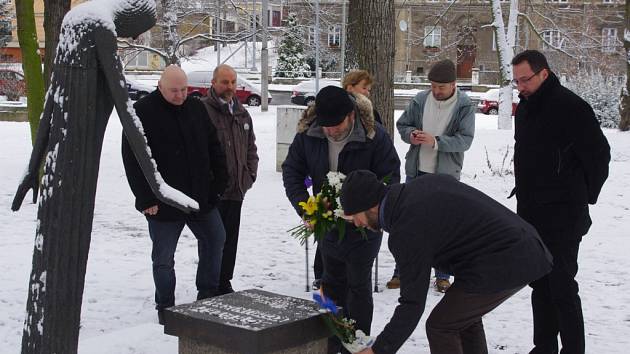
[[438, 274], [208, 229]]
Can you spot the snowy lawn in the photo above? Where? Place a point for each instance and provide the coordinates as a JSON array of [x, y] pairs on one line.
[[118, 314]]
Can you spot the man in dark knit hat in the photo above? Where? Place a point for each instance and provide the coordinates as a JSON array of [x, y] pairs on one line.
[[437, 221], [438, 125], [339, 134]]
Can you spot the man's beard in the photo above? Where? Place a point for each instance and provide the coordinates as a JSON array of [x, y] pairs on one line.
[[339, 137], [444, 98], [372, 219], [226, 95]]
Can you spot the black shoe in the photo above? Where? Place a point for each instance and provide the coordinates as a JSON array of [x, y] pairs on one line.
[[206, 294], [317, 283], [161, 316], [225, 289]]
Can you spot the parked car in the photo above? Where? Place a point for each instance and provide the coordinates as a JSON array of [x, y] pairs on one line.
[[489, 103], [137, 90], [199, 82], [12, 84], [304, 92]]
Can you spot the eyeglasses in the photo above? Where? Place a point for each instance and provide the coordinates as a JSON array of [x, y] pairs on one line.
[[515, 82]]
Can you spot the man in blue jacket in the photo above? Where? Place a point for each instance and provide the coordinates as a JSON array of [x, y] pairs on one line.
[[438, 125], [437, 221], [339, 134]]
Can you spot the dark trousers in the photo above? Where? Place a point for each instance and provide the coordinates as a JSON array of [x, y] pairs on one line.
[[230, 211], [556, 305], [455, 326], [318, 263], [347, 277], [210, 235]]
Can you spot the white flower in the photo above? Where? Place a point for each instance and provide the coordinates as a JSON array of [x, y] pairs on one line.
[[361, 342], [335, 179]]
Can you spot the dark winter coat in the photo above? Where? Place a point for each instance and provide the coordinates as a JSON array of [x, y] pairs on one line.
[[187, 152], [436, 221], [236, 133], [369, 148], [560, 161]]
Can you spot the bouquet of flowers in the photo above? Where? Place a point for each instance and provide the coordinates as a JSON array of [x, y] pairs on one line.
[[322, 212], [353, 340]]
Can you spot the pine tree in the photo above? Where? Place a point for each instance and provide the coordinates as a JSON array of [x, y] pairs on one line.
[[291, 58]]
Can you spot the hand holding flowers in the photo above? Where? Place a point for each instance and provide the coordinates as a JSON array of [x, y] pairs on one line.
[[322, 211]]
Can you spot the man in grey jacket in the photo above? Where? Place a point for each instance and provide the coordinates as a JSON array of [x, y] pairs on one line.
[[439, 125]]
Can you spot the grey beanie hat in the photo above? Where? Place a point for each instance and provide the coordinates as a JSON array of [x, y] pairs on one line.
[[442, 72]]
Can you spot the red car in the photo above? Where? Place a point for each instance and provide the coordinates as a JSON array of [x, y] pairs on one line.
[[199, 83], [489, 103], [12, 84]]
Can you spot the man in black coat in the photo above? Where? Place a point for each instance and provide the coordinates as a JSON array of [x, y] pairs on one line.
[[339, 134], [560, 164], [436, 221], [189, 156]]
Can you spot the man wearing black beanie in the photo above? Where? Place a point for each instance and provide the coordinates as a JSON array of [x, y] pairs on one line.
[[339, 134], [436, 221]]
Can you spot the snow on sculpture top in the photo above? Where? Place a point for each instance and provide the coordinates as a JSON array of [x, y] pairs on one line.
[[124, 18]]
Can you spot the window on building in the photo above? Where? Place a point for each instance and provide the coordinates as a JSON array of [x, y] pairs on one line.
[[275, 18], [229, 27], [311, 36], [609, 40], [608, 1], [433, 36], [334, 36], [553, 39], [141, 60]]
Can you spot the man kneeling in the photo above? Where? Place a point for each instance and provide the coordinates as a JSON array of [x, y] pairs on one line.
[[436, 221]]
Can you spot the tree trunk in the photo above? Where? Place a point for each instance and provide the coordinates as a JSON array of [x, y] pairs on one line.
[[170, 36], [505, 45], [370, 46], [54, 11], [624, 107], [31, 63]]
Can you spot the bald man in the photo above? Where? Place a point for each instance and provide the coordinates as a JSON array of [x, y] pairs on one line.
[[188, 153]]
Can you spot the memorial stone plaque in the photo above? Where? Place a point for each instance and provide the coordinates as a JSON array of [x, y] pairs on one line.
[[251, 321]]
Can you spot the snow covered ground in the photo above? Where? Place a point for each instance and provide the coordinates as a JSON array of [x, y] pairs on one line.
[[118, 314]]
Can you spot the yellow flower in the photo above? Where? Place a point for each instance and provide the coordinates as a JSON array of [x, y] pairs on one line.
[[310, 206]]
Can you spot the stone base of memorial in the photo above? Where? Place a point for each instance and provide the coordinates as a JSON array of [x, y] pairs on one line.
[[248, 322]]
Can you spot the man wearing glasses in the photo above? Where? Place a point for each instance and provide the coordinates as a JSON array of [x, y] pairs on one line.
[[560, 164]]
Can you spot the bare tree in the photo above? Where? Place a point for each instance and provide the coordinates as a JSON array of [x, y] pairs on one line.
[[31, 63], [506, 38], [182, 22], [624, 107], [370, 46]]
